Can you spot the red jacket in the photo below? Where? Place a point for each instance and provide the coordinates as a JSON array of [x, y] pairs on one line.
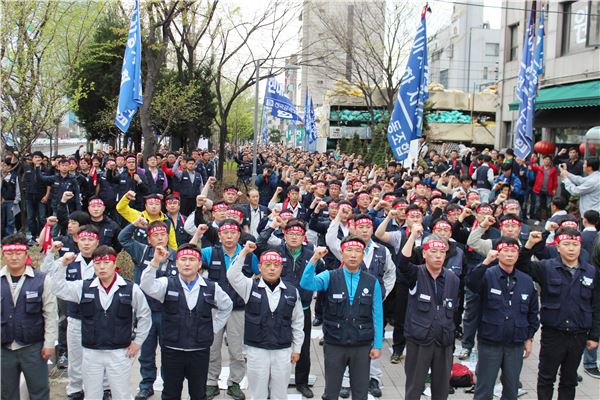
[[539, 179]]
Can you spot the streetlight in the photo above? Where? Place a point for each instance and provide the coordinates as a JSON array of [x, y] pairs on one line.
[[288, 67]]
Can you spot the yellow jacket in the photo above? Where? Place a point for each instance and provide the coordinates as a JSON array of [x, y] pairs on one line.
[[131, 215]]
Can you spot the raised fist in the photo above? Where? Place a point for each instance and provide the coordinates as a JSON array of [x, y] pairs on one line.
[[200, 200], [416, 230], [68, 258], [535, 237], [52, 220], [249, 247], [161, 254], [320, 252], [202, 228], [141, 222], [56, 246], [130, 195], [491, 257], [279, 189], [67, 195]]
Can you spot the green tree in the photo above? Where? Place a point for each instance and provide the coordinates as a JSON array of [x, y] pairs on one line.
[[356, 145], [240, 122]]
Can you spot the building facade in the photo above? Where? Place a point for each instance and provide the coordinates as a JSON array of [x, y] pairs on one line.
[[465, 54], [568, 101]]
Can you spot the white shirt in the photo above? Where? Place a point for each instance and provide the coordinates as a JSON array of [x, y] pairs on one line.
[[255, 217], [157, 289], [73, 290], [243, 286]]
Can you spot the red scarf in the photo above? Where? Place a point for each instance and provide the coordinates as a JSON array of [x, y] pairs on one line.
[[47, 243], [94, 175], [107, 288]]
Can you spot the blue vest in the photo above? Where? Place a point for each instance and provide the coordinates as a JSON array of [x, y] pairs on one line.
[[345, 324], [426, 322], [183, 328], [217, 272], [503, 312], [293, 270], [377, 266], [481, 179], [168, 268], [141, 234], [106, 329], [9, 188], [23, 322], [188, 189], [266, 329], [566, 301], [454, 262], [107, 191], [74, 274]]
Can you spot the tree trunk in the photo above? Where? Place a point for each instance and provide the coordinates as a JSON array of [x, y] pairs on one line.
[[222, 139]]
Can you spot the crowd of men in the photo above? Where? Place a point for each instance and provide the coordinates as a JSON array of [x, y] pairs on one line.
[[450, 250]]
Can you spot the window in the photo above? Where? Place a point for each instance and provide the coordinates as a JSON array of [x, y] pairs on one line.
[[575, 24], [492, 49], [485, 73], [513, 40], [435, 56], [444, 78]]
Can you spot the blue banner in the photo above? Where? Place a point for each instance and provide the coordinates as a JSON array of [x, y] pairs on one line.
[[406, 122], [281, 106], [526, 92], [312, 133], [130, 94]]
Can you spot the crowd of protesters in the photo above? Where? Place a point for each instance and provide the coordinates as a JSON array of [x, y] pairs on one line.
[[470, 247]]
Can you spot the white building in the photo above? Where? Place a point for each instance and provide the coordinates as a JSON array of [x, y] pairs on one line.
[[568, 101], [465, 54]]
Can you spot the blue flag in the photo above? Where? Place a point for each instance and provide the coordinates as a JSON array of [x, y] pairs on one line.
[[527, 88], [312, 138], [406, 122], [130, 94], [281, 106], [538, 59]]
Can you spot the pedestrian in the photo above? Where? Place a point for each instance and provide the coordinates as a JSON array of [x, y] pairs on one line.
[[107, 304], [586, 187], [569, 293], [353, 333], [509, 319], [274, 324], [546, 183], [188, 323], [429, 326], [29, 323]]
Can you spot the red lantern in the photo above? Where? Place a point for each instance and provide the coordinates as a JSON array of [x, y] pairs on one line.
[[592, 147], [544, 147]]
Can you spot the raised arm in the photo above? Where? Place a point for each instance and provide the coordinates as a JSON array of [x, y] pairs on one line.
[[241, 283]]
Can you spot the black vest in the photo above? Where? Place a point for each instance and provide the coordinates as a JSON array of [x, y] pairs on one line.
[[266, 329], [504, 313], [293, 270], [155, 187], [566, 301], [9, 188], [377, 266], [141, 234], [345, 324], [168, 268], [183, 328], [426, 321], [23, 322], [188, 189], [481, 178], [74, 274], [106, 329], [217, 272], [454, 262]]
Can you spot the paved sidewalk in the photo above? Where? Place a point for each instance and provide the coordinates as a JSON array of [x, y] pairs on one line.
[[393, 377]]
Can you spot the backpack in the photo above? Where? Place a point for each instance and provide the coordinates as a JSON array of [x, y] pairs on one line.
[[461, 376]]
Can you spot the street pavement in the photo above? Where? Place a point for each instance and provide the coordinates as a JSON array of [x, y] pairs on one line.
[[393, 377]]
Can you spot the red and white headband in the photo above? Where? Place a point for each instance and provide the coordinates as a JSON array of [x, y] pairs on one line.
[[270, 256], [220, 207], [83, 234], [510, 221], [363, 221], [16, 247], [502, 246], [415, 213], [435, 244], [565, 236], [106, 257], [189, 252], [229, 227], [153, 200], [442, 225], [485, 209], [232, 190], [237, 213], [96, 202], [352, 243], [295, 228], [569, 224], [157, 229]]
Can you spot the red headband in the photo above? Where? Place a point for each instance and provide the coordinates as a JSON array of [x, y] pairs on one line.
[[331, 185], [92, 235], [270, 256], [189, 252], [435, 244], [346, 206], [96, 202], [320, 184], [472, 194], [18, 247], [173, 200], [363, 221], [107, 257], [413, 213], [220, 206], [130, 157], [352, 243], [400, 205], [229, 227], [234, 190], [332, 204], [295, 229], [238, 213], [569, 224], [157, 229], [389, 197], [507, 205], [364, 195], [502, 246], [442, 225], [565, 236], [287, 212], [153, 200], [485, 209], [453, 212], [510, 221]]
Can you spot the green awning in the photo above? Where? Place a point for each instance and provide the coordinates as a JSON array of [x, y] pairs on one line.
[[582, 94]]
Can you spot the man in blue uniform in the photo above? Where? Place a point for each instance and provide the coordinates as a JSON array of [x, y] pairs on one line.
[[352, 318]]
